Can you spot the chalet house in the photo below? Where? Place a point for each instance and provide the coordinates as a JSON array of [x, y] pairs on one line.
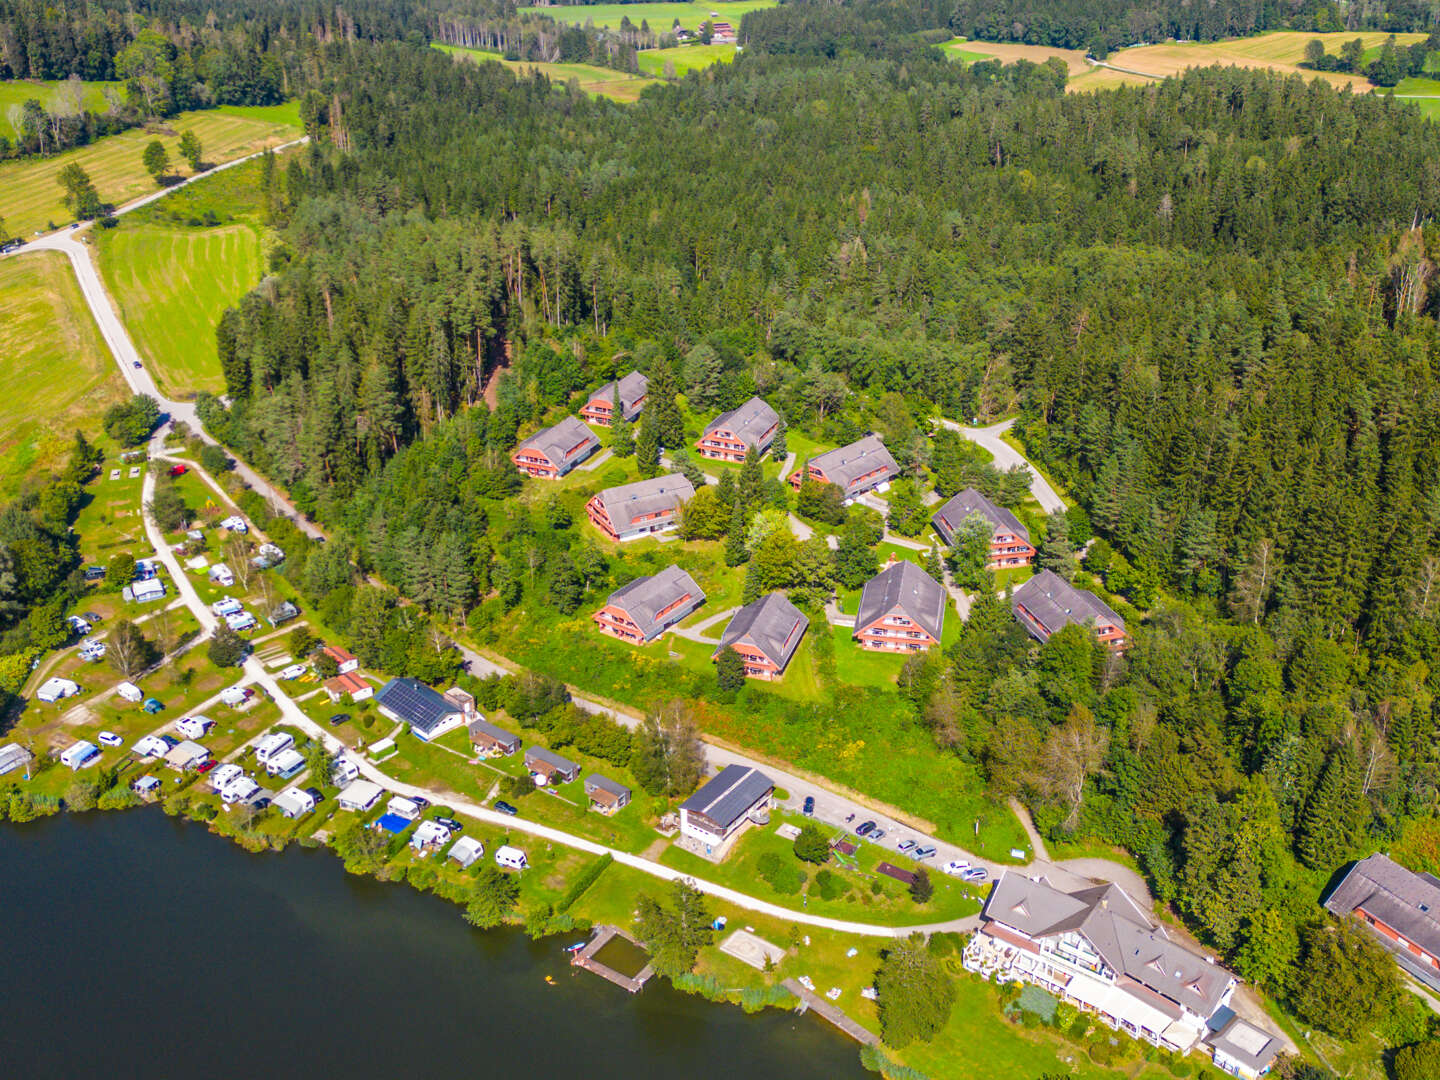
[[600, 408], [766, 634], [606, 795], [731, 434], [902, 609], [550, 765], [1098, 949], [428, 713], [721, 807], [1047, 602], [552, 452], [1401, 908], [855, 469], [644, 609], [490, 739], [1009, 540], [640, 509], [345, 661], [350, 685], [722, 33]]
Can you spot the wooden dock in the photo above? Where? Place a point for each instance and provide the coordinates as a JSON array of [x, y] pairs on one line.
[[585, 958], [836, 1016]]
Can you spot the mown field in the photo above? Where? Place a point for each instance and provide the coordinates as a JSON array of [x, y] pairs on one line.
[[661, 17], [686, 58], [19, 91], [30, 199], [600, 81], [59, 374]]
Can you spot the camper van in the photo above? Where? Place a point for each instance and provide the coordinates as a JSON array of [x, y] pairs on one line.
[[80, 755], [510, 858], [228, 606], [271, 745], [194, 727]]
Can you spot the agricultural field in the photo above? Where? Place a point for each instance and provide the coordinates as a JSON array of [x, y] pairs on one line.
[[32, 199], [1008, 52], [59, 374], [661, 17], [47, 92], [602, 82], [685, 58]]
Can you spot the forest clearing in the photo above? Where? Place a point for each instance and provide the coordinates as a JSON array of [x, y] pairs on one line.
[[599, 81]]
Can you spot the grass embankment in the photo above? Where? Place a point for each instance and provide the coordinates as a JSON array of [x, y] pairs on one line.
[[33, 198], [661, 17], [172, 276], [599, 81], [685, 58], [59, 374]]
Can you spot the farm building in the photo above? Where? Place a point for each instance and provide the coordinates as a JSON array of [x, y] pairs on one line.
[[552, 452], [1009, 540], [600, 408], [855, 469], [550, 765], [731, 434], [1047, 602], [766, 634], [643, 508], [428, 713], [648, 606], [606, 795], [902, 609], [488, 738]]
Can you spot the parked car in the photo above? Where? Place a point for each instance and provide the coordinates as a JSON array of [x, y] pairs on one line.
[[876, 836], [109, 738], [955, 867], [451, 824], [864, 828], [905, 845], [975, 873], [809, 808], [137, 363], [206, 766], [339, 718], [505, 808], [926, 852], [420, 801], [178, 470]]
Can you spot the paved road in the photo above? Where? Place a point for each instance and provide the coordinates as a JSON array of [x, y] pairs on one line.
[[1007, 457]]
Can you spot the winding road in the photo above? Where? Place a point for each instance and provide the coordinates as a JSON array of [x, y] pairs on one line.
[[1007, 457]]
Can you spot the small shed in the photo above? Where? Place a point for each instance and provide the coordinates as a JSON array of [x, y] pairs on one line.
[[360, 796], [490, 738], [187, 755], [466, 851], [283, 613], [550, 765], [145, 785], [606, 795]]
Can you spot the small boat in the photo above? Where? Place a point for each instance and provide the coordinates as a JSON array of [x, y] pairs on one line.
[[576, 947], [550, 979]]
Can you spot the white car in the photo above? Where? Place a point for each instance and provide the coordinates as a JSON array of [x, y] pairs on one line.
[[109, 738], [955, 867], [294, 671]]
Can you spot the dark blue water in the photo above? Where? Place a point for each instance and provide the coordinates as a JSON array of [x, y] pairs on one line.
[[137, 945]]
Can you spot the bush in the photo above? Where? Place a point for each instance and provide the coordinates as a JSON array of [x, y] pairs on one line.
[[785, 878], [517, 787], [119, 797], [811, 845], [1418, 1062], [831, 886], [82, 795]]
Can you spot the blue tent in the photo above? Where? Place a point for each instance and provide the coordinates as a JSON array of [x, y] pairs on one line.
[[393, 823]]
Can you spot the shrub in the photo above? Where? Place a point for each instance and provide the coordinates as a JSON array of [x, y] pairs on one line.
[[831, 886], [82, 795], [1418, 1062], [783, 877], [811, 845], [517, 787]]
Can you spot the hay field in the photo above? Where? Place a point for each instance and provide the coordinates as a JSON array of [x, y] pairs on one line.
[[661, 17], [686, 58], [1009, 52], [602, 82]]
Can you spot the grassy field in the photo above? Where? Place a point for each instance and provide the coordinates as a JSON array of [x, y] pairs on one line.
[[19, 91], [32, 198], [686, 58], [661, 17], [59, 374], [171, 285], [602, 82]]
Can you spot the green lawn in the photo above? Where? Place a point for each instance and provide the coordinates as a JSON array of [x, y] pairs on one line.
[[955, 50], [861, 667], [171, 286], [661, 17], [33, 198], [59, 374], [48, 93], [600, 81], [1013, 576], [684, 58]]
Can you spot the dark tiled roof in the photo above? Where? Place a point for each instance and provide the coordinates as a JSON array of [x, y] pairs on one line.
[[657, 495], [948, 518], [727, 797], [748, 423], [556, 442], [772, 624], [1055, 602], [418, 705], [549, 757], [633, 387], [1403, 900], [604, 783], [645, 597], [844, 466], [905, 586], [499, 734]]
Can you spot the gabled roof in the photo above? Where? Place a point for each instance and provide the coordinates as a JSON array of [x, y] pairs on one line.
[[624, 504], [499, 734], [633, 387], [772, 624], [604, 783], [905, 586], [349, 682], [844, 466], [1055, 602], [1403, 900], [549, 757], [645, 597], [729, 795], [959, 507], [557, 441], [748, 423], [417, 704], [1131, 944]]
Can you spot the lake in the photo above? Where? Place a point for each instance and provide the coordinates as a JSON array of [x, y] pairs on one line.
[[138, 945]]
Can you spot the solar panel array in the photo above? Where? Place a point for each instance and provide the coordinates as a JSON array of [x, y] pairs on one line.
[[416, 703]]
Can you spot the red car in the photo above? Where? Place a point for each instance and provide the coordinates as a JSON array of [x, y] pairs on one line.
[[178, 470], [206, 767]]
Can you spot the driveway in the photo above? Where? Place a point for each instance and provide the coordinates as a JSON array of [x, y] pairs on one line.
[[1007, 457]]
